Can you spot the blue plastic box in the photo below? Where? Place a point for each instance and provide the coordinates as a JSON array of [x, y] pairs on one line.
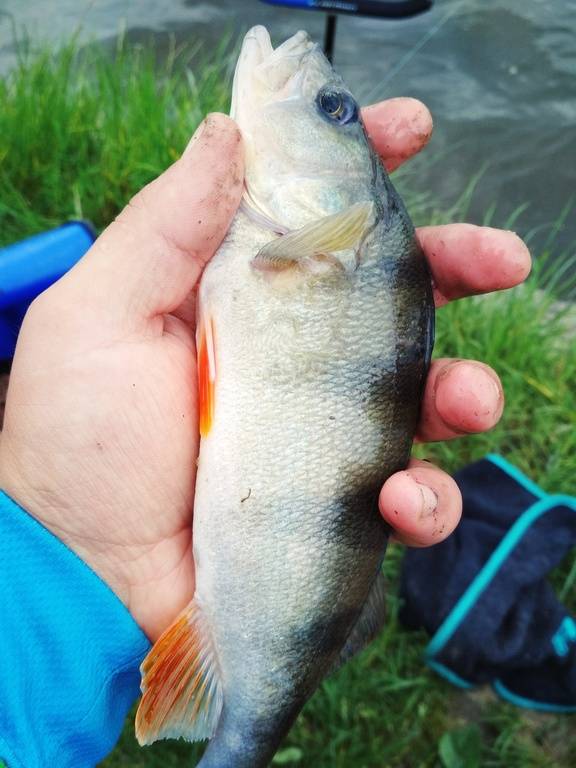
[[29, 267]]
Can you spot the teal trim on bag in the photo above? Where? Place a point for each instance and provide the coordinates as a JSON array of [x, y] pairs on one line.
[[521, 701], [565, 634], [517, 475], [483, 578], [447, 673]]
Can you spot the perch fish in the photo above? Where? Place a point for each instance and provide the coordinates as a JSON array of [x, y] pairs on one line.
[[314, 337]]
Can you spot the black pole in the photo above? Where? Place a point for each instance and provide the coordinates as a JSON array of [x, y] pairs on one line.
[[330, 36]]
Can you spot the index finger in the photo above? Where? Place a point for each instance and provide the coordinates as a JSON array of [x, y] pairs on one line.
[[398, 128], [466, 259]]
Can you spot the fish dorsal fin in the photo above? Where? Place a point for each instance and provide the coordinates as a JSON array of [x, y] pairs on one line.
[[368, 624], [180, 682], [312, 247]]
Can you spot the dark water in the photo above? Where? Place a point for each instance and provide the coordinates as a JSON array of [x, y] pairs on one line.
[[499, 77]]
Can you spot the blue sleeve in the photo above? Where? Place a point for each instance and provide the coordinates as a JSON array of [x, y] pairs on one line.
[[69, 651]]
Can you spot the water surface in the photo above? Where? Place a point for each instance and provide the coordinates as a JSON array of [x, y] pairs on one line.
[[499, 77]]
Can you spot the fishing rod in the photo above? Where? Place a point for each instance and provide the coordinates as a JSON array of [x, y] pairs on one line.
[[384, 9]]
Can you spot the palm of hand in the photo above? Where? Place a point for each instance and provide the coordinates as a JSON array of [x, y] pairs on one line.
[[130, 433]]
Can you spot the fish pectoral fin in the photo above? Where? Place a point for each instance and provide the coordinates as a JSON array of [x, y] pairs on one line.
[[312, 248], [368, 624], [180, 682]]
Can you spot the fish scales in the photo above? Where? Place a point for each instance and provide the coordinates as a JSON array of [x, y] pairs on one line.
[[317, 364]]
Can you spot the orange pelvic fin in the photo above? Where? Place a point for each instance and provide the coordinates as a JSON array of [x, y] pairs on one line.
[[206, 373], [180, 682]]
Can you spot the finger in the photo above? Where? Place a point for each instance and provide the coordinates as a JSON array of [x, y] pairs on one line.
[[461, 397], [466, 259], [398, 128], [423, 504], [149, 259]]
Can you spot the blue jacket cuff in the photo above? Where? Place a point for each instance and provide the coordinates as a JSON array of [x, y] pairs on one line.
[[69, 651]]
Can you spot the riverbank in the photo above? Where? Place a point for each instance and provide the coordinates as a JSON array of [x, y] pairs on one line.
[[79, 134]]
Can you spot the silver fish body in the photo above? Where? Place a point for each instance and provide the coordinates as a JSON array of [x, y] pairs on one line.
[[318, 369]]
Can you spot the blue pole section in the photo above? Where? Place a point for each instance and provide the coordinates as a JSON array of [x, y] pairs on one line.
[[292, 3], [390, 9]]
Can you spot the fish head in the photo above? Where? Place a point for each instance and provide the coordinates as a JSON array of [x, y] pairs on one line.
[[307, 154]]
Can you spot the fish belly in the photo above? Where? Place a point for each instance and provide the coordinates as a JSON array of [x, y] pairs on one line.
[[312, 413]]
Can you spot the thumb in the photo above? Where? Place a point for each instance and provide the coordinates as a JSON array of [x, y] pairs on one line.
[[150, 258]]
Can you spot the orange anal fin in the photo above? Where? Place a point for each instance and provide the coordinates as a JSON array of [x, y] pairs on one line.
[[182, 692], [206, 374]]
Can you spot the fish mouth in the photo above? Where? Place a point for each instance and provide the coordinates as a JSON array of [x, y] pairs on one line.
[[266, 72]]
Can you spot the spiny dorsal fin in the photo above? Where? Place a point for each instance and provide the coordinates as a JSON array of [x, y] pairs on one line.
[[368, 624], [317, 242], [180, 682]]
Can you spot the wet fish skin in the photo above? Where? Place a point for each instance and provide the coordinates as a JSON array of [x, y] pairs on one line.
[[319, 379], [307, 563]]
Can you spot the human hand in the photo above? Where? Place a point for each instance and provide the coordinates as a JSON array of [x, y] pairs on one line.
[[100, 435], [100, 432], [423, 504]]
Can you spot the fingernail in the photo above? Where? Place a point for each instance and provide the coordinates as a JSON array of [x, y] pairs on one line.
[[195, 136], [429, 500], [489, 390]]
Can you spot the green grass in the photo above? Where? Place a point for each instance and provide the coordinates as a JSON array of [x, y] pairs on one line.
[[78, 135]]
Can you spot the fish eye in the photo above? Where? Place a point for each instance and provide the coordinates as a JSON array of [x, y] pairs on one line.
[[338, 106]]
